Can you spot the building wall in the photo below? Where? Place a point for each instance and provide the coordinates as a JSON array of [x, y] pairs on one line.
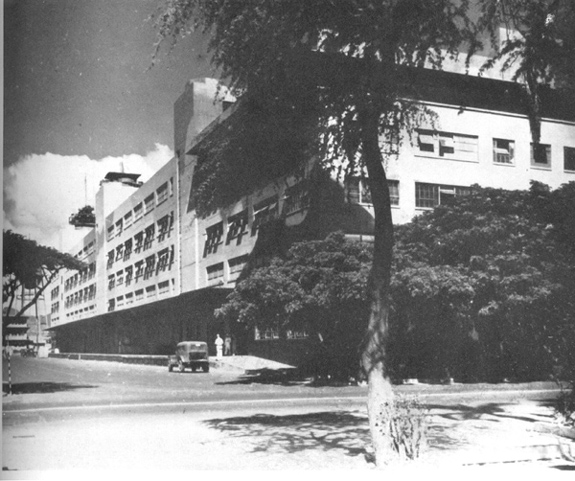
[[413, 165], [140, 252], [207, 254]]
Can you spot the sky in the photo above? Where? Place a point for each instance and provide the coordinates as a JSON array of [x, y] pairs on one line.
[[81, 98]]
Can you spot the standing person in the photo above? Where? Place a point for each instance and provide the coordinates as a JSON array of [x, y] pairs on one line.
[[228, 346], [219, 346]]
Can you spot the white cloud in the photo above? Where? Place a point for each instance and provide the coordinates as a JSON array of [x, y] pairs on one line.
[[42, 191]]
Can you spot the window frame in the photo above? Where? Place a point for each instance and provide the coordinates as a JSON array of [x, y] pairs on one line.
[[567, 148], [548, 156], [443, 145]]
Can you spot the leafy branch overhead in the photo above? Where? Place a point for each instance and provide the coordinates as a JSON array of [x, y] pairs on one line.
[[27, 265]]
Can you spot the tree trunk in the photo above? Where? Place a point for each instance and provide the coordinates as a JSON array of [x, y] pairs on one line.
[[374, 351]]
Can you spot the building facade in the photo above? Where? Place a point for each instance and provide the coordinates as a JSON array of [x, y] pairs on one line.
[[155, 270]]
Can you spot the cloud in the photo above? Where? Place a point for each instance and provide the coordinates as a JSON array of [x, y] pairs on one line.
[[42, 191]]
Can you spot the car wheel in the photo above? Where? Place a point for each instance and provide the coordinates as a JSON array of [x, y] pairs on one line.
[[193, 368], [206, 368], [170, 367], [181, 367]]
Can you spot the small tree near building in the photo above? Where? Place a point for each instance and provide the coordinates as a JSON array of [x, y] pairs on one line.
[[29, 266]]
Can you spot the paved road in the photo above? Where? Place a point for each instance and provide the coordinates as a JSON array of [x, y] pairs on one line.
[[94, 414]]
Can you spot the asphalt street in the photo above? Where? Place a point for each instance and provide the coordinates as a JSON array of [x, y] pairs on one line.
[[69, 414]]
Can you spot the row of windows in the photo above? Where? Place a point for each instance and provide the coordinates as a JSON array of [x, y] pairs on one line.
[[146, 268], [215, 272], [296, 199], [86, 251], [149, 292], [465, 147], [140, 210], [83, 295], [77, 312], [357, 191], [79, 277], [272, 333], [143, 240]]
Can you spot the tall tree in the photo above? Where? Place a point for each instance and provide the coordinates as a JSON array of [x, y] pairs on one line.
[[351, 55], [537, 45], [29, 266]]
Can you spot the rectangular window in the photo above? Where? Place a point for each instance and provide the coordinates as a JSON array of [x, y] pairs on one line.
[[149, 236], [267, 334], [129, 275], [165, 226], [119, 278], [139, 269], [393, 186], [296, 198], [120, 252], [162, 193], [237, 264], [171, 186], [111, 282], [163, 260], [139, 294], [357, 191], [128, 220], [432, 195], [120, 301], [296, 335], [139, 238], [448, 145], [213, 238], [111, 305], [127, 249], [264, 212], [150, 291], [163, 287], [150, 264], [541, 157], [237, 227], [129, 298], [569, 158], [503, 151], [215, 272], [119, 227], [110, 234], [138, 212], [111, 257], [149, 203]]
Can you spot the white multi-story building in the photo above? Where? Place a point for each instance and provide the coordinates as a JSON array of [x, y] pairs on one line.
[[156, 270]]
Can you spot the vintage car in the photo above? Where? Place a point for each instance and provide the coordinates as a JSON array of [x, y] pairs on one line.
[[190, 354]]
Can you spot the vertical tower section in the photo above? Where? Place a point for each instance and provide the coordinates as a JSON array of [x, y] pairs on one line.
[[200, 105]]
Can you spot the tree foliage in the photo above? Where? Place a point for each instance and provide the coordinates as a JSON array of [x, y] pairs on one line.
[[539, 47], [492, 275], [318, 287], [481, 290], [27, 265], [347, 60]]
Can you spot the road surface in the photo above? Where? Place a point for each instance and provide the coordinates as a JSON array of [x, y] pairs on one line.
[[68, 414]]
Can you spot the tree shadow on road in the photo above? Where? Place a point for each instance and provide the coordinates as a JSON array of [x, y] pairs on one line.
[[42, 387], [464, 412], [342, 432], [285, 377]]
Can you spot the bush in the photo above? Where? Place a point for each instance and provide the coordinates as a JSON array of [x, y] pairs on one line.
[[407, 421]]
